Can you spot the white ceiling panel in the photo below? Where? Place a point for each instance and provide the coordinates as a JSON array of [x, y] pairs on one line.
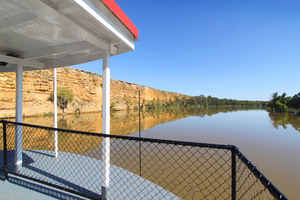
[[59, 30]]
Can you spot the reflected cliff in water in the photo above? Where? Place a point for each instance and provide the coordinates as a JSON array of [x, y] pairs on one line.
[[122, 122], [285, 119], [203, 112], [126, 122]]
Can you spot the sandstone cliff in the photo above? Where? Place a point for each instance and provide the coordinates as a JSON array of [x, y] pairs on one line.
[[86, 87]]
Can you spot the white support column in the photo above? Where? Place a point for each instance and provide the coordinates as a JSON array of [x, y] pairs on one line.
[[105, 122], [55, 112], [19, 109]]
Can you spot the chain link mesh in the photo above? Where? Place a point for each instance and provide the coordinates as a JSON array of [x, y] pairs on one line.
[[248, 185], [139, 168]]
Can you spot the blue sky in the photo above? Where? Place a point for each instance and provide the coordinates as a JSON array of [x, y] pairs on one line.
[[239, 49]]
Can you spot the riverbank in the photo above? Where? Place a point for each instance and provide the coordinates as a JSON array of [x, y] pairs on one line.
[[85, 86]]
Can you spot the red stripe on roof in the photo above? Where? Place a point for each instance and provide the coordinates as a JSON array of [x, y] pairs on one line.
[[115, 8]]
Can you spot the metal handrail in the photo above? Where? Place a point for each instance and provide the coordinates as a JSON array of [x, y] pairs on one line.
[[235, 153]]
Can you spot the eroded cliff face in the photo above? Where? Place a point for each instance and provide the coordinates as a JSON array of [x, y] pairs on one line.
[[86, 87]]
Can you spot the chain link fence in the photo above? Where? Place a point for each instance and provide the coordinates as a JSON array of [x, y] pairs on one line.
[[137, 168]]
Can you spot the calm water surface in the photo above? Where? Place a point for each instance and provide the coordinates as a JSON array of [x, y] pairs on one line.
[[270, 141]]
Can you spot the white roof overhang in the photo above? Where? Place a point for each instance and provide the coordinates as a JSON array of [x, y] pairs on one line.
[[42, 34]]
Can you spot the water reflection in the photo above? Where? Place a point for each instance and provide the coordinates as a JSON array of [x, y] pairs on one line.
[[122, 122], [276, 155], [126, 122], [203, 112], [285, 119]]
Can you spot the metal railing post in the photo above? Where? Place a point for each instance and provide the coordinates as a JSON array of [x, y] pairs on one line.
[[5, 150], [233, 174], [140, 132]]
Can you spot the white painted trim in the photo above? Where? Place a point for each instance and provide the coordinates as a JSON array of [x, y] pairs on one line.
[[92, 10], [105, 120]]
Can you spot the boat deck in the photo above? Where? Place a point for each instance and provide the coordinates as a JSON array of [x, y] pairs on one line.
[[72, 171]]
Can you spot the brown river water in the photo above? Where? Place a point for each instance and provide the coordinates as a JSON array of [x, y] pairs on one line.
[[271, 141]]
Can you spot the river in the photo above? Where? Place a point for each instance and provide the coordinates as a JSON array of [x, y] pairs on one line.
[[271, 141]]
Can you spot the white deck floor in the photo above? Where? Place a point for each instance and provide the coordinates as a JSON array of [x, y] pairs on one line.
[[82, 173]]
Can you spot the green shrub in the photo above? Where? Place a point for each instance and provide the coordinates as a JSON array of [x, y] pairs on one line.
[[64, 96], [112, 105], [280, 107], [48, 114]]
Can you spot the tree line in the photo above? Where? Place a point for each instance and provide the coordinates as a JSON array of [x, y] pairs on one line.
[[284, 103], [277, 103], [201, 101], [210, 101]]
